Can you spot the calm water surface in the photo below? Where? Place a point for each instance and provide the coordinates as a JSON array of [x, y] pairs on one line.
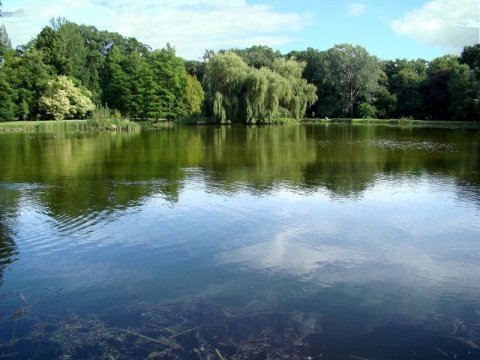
[[329, 242]]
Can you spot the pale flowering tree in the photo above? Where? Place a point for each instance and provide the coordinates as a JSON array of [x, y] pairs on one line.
[[64, 100]]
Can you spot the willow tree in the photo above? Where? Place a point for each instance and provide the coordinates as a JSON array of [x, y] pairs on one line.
[[226, 75], [239, 93], [299, 94]]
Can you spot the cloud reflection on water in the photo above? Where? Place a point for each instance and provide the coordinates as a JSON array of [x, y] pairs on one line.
[[405, 236]]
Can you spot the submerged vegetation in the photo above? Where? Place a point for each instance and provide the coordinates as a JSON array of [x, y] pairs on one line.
[[196, 328]]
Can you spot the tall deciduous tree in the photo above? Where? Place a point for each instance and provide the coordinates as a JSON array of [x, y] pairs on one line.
[[471, 56], [353, 73], [464, 87], [437, 97], [29, 75], [316, 73], [48, 42], [8, 96], [258, 56], [116, 87], [407, 81]]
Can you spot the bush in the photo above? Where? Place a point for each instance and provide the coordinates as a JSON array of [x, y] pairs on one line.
[[105, 119], [367, 111]]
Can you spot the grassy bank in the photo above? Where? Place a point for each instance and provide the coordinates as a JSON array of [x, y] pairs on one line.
[[397, 122], [126, 125], [35, 126], [68, 125]]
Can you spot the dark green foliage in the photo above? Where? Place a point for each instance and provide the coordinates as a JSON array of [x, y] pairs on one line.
[[115, 82], [366, 110], [258, 56], [29, 76], [7, 98], [48, 41], [471, 56], [196, 68], [406, 80], [344, 75], [170, 82], [385, 103], [464, 87], [437, 97]]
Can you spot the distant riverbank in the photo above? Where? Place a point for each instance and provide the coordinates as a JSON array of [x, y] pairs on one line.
[[126, 125]]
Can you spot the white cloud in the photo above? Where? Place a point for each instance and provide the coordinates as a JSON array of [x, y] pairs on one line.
[[356, 9], [191, 26], [450, 24]]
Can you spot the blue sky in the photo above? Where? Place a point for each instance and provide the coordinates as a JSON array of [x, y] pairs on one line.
[[388, 29]]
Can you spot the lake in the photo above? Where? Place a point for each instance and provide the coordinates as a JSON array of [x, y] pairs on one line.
[[290, 242]]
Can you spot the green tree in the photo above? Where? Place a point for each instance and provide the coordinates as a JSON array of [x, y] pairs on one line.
[[8, 96], [65, 100], [28, 76], [170, 79], [471, 56], [385, 103], [299, 94], [116, 87], [258, 56], [225, 77], [437, 97], [97, 44], [72, 50], [48, 42], [239, 93], [132, 66], [442, 63], [315, 72], [353, 73], [366, 110], [407, 82], [194, 96], [407, 85], [464, 88], [196, 68]]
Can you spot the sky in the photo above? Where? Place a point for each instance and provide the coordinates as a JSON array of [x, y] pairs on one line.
[[389, 29]]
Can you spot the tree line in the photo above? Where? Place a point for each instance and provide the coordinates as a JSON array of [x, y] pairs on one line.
[[69, 70]]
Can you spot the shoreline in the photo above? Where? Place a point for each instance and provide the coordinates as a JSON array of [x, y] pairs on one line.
[[84, 125]]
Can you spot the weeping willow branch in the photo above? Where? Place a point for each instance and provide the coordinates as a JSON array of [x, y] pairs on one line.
[[242, 94]]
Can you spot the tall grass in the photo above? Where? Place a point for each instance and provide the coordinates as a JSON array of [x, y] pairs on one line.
[[43, 126], [105, 119]]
